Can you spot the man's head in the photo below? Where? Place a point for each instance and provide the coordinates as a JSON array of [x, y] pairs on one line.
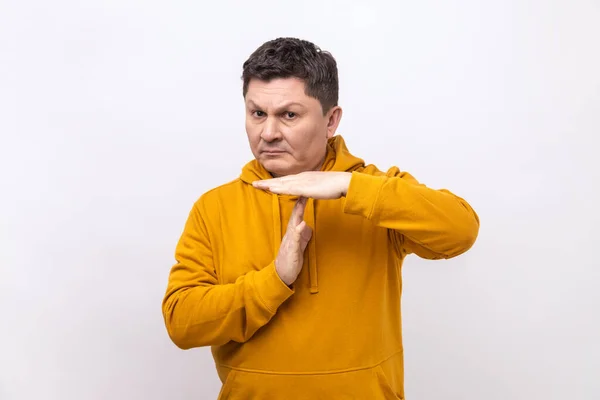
[[291, 95]]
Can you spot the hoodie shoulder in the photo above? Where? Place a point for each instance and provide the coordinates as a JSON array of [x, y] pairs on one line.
[[233, 185], [211, 199]]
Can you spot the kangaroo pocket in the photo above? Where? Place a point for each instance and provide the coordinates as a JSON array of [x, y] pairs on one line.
[[368, 384]]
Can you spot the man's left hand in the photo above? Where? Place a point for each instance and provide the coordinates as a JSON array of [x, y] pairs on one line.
[[319, 185]]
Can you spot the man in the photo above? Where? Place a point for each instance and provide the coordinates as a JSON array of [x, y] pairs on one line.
[[291, 272]]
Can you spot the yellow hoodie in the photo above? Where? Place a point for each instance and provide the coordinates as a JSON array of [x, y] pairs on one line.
[[336, 333]]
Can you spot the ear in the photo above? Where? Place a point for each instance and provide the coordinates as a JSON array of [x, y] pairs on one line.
[[334, 116]]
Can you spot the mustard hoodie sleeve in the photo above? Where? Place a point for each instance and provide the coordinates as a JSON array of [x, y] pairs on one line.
[[199, 311], [431, 223]]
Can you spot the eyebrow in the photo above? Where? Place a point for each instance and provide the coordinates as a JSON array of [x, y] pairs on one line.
[[281, 108]]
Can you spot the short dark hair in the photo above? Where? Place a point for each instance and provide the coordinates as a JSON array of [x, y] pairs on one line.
[[291, 57]]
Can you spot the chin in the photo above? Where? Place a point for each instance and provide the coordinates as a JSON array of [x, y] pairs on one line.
[[279, 167]]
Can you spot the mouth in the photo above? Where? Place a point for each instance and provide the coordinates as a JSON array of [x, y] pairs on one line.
[[273, 152]]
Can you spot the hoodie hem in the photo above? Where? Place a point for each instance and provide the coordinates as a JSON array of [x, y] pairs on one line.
[[332, 372]]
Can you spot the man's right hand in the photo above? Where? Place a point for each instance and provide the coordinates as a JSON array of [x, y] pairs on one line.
[[291, 252]]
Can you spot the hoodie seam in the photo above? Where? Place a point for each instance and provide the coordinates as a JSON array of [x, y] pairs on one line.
[[332, 372], [224, 185]]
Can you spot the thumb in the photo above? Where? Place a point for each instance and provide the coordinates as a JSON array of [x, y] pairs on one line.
[[303, 233]]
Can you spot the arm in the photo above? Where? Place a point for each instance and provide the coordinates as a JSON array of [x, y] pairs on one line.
[[432, 223], [198, 311]]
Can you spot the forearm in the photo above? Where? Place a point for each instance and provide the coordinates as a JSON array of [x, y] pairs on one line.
[[211, 314], [436, 220]]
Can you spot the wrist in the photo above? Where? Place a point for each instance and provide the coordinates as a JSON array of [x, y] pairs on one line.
[[346, 182], [284, 277]]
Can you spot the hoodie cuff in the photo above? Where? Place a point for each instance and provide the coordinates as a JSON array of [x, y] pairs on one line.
[[271, 290], [363, 194]]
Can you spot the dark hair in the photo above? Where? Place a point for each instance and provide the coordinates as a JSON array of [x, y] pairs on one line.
[[291, 57]]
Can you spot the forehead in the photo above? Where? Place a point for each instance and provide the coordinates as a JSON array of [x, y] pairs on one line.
[[277, 91]]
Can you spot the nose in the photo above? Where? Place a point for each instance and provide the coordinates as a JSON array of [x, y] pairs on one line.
[[270, 132]]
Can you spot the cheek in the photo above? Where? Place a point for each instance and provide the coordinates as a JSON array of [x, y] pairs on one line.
[[306, 140], [253, 132]]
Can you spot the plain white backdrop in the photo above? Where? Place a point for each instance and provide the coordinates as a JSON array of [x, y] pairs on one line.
[[115, 116]]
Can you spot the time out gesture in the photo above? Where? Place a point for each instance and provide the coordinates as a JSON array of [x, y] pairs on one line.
[[319, 185]]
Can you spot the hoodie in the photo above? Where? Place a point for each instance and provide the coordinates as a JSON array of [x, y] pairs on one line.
[[336, 332]]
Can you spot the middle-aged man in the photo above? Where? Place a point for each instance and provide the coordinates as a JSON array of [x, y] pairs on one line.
[[292, 271]]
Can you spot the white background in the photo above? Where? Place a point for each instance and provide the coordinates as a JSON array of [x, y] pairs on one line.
[[115, 116]]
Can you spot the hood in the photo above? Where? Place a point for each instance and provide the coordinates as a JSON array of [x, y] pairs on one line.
[[337, 158]]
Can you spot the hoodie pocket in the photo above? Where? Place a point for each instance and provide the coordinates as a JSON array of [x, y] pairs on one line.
[[227, 385], [385, 385], [365, 384]]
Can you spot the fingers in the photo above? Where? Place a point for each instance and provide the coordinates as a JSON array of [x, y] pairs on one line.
[[304, 233], [261, 184], [279, 185], [298, 229], [268, 183], [297, 213]]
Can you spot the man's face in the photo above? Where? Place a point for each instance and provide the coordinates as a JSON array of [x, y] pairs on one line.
[[286, 128]]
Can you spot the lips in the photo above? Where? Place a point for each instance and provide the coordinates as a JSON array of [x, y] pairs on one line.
[[273, 152]]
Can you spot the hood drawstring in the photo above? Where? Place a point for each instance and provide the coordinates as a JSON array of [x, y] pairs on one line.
[[276, 225], [310, 214]]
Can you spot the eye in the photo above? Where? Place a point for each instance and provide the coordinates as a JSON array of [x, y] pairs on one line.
[[289, 115], [258, 114]]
